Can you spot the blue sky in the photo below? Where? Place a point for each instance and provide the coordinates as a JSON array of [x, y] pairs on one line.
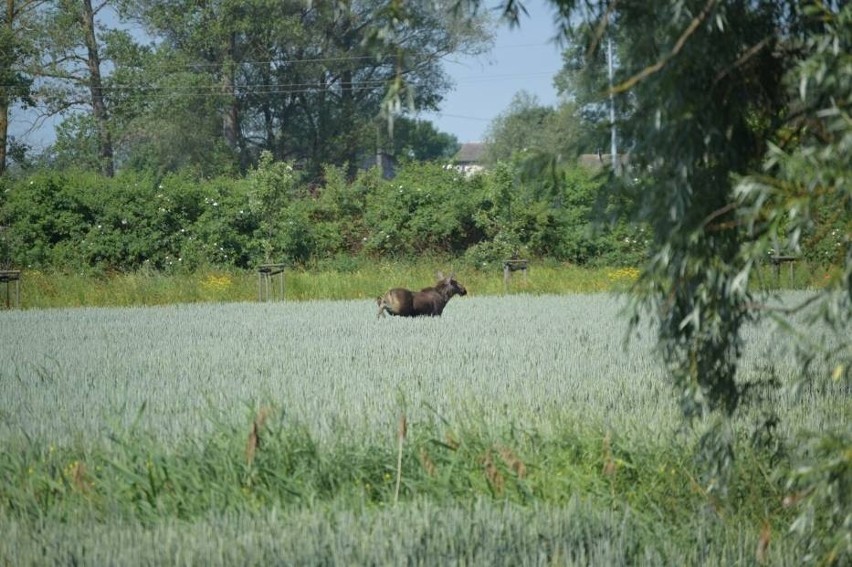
[[523, 58]]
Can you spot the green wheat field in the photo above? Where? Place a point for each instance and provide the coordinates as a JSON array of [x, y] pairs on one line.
[[514, 430]]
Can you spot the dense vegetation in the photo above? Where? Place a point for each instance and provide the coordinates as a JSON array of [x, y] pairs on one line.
[[736, 114], [81, 221], [162, 85]]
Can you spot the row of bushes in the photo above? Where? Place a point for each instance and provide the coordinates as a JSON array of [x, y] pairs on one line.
[[80, 220]]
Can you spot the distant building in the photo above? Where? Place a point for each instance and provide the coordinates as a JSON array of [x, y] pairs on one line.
[[470, 158]]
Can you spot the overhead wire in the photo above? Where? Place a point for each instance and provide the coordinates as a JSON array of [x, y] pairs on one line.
[[300, 88]]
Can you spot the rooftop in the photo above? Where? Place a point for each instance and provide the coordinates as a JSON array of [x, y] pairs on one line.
[[471, 152]]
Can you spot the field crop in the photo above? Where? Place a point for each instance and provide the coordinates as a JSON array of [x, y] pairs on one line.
[[328, 365], [258, 433]]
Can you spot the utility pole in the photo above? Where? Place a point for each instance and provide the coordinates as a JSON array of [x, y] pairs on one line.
[[613, 148]]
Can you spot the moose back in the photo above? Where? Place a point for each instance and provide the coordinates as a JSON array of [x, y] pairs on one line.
[[429, 301]]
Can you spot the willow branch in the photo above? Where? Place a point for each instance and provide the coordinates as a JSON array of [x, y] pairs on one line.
[[681, 41], [601, 29], [751, 52]]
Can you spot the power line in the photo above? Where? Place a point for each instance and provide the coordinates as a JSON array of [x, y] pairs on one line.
[[460, 116], [295, 88]]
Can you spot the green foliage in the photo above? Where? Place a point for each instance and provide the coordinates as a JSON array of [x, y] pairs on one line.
[[337, 212], [48, 215], [820, 488], [802, 204], [547, 208], [527, 128], [426, 207], [283, 220], [584, 80], [213, 222], [79, 220], [420, 141], [304, 81], [520, 128], [719, 89], [17, 52], [76, 145], [83, 220], [315, 503], [538, 207]]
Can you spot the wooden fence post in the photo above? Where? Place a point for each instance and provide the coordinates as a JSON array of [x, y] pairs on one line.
[[514, 265], [7, 277], [266, 273]]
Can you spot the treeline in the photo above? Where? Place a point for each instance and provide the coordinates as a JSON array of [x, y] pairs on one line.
[[87, 221], [164, 84]]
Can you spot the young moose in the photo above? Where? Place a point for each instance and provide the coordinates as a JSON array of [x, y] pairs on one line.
[[428, 301]]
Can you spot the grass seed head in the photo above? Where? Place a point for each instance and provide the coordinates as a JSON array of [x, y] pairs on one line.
[[253, 441], [78, 476], [609, 467], [427, 463], [451, 440], [512, 462], [763, 544], [403, 428], [492, 474]]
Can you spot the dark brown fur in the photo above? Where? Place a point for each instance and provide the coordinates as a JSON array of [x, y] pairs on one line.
[[428, 301]]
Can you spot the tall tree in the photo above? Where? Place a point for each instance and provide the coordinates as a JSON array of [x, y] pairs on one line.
[[86, 20], [584, 82], [518, 129], [71, 70], [16, 54], [733, 163], [419, 140], [306, 80]]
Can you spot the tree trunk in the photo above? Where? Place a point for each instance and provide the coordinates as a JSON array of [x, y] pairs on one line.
[[348, 112], [4, 127], [99, 109], [231, 114], [5, 71]]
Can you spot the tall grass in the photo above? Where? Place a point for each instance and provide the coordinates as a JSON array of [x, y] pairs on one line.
[[471, 503], [359, 280]]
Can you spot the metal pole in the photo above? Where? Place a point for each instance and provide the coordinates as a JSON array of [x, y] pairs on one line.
[[613, 148]]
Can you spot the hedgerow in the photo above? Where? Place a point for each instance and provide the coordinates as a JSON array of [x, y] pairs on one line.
[[82, 221]]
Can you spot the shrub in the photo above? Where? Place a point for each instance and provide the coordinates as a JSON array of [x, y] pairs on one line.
[[426, 208]]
